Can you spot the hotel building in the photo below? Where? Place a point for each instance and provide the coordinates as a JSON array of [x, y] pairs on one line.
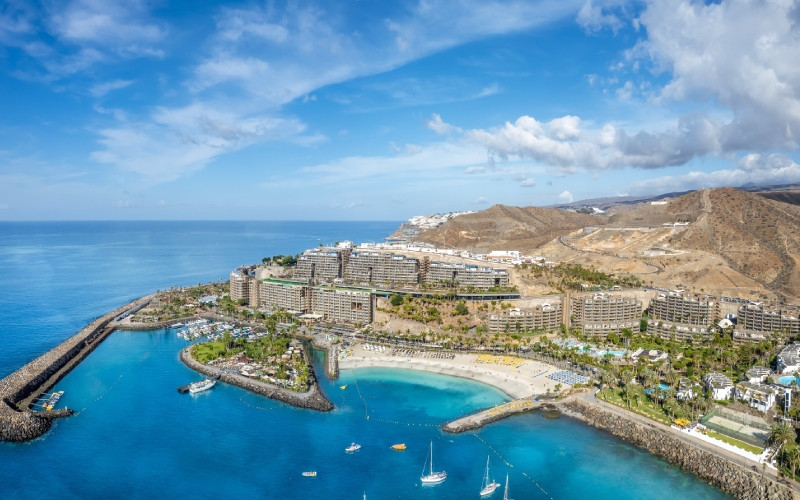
[[381, 268], [544, 317], [601, 314]]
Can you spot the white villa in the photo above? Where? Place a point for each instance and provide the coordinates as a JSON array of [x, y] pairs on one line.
[[757, 374], [789, 359], [720, 386], [759, 396]]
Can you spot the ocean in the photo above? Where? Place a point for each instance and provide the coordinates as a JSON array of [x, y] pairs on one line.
[[135, 436]]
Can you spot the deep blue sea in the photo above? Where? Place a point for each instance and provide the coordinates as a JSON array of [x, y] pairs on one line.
[[135, 436]]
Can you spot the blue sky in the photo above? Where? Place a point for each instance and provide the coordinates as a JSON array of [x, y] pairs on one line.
[[372, 110]]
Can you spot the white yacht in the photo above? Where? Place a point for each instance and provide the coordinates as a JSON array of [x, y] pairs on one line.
[[202, 385], [432, 477], [353, 447], [488, 487]]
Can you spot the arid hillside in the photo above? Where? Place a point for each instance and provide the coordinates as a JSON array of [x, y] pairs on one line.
[[724, 241], [506, 228], [757, 237]]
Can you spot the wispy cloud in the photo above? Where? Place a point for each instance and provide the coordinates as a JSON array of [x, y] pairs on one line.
[[101, 89]]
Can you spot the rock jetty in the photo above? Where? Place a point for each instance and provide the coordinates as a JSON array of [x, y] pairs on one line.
[[19, 423], [501, 411], [313, 399], [717, 471]]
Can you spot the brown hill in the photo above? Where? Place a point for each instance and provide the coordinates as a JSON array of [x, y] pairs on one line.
[[757, 237], [506, 228]]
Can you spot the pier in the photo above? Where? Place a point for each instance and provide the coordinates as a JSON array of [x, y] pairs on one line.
[[501, 411], [19, 390]]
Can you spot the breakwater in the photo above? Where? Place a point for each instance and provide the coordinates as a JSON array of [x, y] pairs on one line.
[[312, 399], [717, 471], [19, 423], [484, 417]]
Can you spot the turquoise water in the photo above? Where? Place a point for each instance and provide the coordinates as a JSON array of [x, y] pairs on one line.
[[135, 436], [787, 380]]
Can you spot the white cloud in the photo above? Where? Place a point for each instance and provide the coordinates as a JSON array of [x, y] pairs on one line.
[[180, 140], [527, 182], [593, 18], [753, 169], [102, 89], [480, 200], [440, 127], [741, 54], [565, 197]]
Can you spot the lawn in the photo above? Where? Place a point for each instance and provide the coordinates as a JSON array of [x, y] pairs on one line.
[[735, 442], [640, 404]]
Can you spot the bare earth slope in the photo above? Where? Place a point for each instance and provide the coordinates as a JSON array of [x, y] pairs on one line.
[[757, 237], [727, 240], [506, 228]]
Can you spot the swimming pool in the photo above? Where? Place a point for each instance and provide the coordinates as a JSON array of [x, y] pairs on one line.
[[788, 379]]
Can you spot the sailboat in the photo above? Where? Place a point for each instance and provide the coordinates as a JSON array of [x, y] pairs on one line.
[[505, 493], [432, 477], [488, 487]]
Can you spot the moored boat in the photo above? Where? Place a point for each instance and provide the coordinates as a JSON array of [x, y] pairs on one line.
[[432, 477], [399, 446], [310, 473], [343, 387], [52, 400], [201, 386], [488, 487]]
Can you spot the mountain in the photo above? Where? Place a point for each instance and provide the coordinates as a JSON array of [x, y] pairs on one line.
[[756, 236], [722, 240], [506, 228]]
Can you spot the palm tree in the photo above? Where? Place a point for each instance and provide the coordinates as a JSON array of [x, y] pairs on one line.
[[791, 455], [607, 378], [670, 405], [780, 433]]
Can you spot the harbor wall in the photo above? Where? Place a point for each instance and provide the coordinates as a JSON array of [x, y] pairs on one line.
[[21, 424], [313, 399], [717, 471]]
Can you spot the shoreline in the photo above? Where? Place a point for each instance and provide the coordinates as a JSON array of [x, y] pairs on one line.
[[527, 379], [313, 399], [18, 422], [715, 470]]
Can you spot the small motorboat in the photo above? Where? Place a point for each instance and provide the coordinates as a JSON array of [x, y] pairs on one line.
[[399, 446], [310, 473], [353, 447], [343, 387]]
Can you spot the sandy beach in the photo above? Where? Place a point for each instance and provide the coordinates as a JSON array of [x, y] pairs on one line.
[[517, 377]]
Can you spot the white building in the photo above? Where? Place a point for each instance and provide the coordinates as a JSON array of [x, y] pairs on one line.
[[757, 374], [789, 359], [759, 396], [719, 385]]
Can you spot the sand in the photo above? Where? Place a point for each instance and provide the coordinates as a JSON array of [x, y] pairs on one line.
[[517, 377]]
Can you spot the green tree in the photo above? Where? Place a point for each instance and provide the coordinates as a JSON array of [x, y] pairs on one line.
[[780, 433], [461, 309], [396, 300]]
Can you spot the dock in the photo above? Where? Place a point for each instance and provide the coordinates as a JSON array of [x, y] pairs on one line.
[[501, 411]]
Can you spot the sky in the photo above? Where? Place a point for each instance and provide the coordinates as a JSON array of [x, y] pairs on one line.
[[374, 110]]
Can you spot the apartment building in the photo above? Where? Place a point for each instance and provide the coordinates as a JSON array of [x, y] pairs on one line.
[[601, 314], [464, 275], [341, 305], [321, 263], [287, 295], [240, 284], [692, 310], [381, 268], [719, 385], [756, 317], [677, 331], [758, 396], [788, 360], [544, 317]]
